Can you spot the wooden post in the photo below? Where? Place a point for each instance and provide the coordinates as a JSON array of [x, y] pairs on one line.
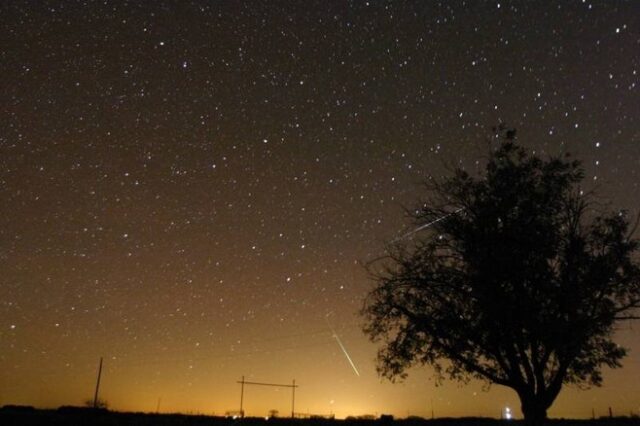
[[241, 397], [95, 396], [293, 398]]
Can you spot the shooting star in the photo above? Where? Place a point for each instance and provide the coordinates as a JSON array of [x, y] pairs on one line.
[[344, 350], [426, 225]]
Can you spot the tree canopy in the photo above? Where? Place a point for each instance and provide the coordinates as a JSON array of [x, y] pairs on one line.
[[517, 277]]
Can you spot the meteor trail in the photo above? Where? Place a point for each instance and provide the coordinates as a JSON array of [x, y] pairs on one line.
[[426, 225], [344, 350]]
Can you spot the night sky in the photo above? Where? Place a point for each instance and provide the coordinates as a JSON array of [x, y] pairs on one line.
[[190, 188]]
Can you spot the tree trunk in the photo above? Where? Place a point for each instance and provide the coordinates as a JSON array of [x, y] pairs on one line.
[[534, 411]]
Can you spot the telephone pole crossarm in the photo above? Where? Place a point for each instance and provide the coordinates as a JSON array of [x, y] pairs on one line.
[[269, 384]]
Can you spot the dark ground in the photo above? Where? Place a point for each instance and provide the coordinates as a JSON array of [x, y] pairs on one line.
[[28, 416]]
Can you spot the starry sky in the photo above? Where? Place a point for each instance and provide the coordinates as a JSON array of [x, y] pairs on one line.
[[190, 188]]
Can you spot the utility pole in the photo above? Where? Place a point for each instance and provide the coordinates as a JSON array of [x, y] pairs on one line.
[[432, 413], [95, 396], [292, 386], [293, 398], [241, 397]]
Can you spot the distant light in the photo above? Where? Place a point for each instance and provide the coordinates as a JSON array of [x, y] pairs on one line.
[[507, 413]]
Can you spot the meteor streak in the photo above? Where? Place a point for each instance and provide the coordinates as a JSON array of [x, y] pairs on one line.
[[426, 225], [344, 350]]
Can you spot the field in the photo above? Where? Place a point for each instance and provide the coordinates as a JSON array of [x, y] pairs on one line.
[[28, 416]]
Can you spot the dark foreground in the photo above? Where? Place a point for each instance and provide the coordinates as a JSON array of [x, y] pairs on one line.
[[27, 416]]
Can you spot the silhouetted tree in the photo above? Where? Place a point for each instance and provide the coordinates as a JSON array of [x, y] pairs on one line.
[[273, 413], [100, 403], [517, 279]]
